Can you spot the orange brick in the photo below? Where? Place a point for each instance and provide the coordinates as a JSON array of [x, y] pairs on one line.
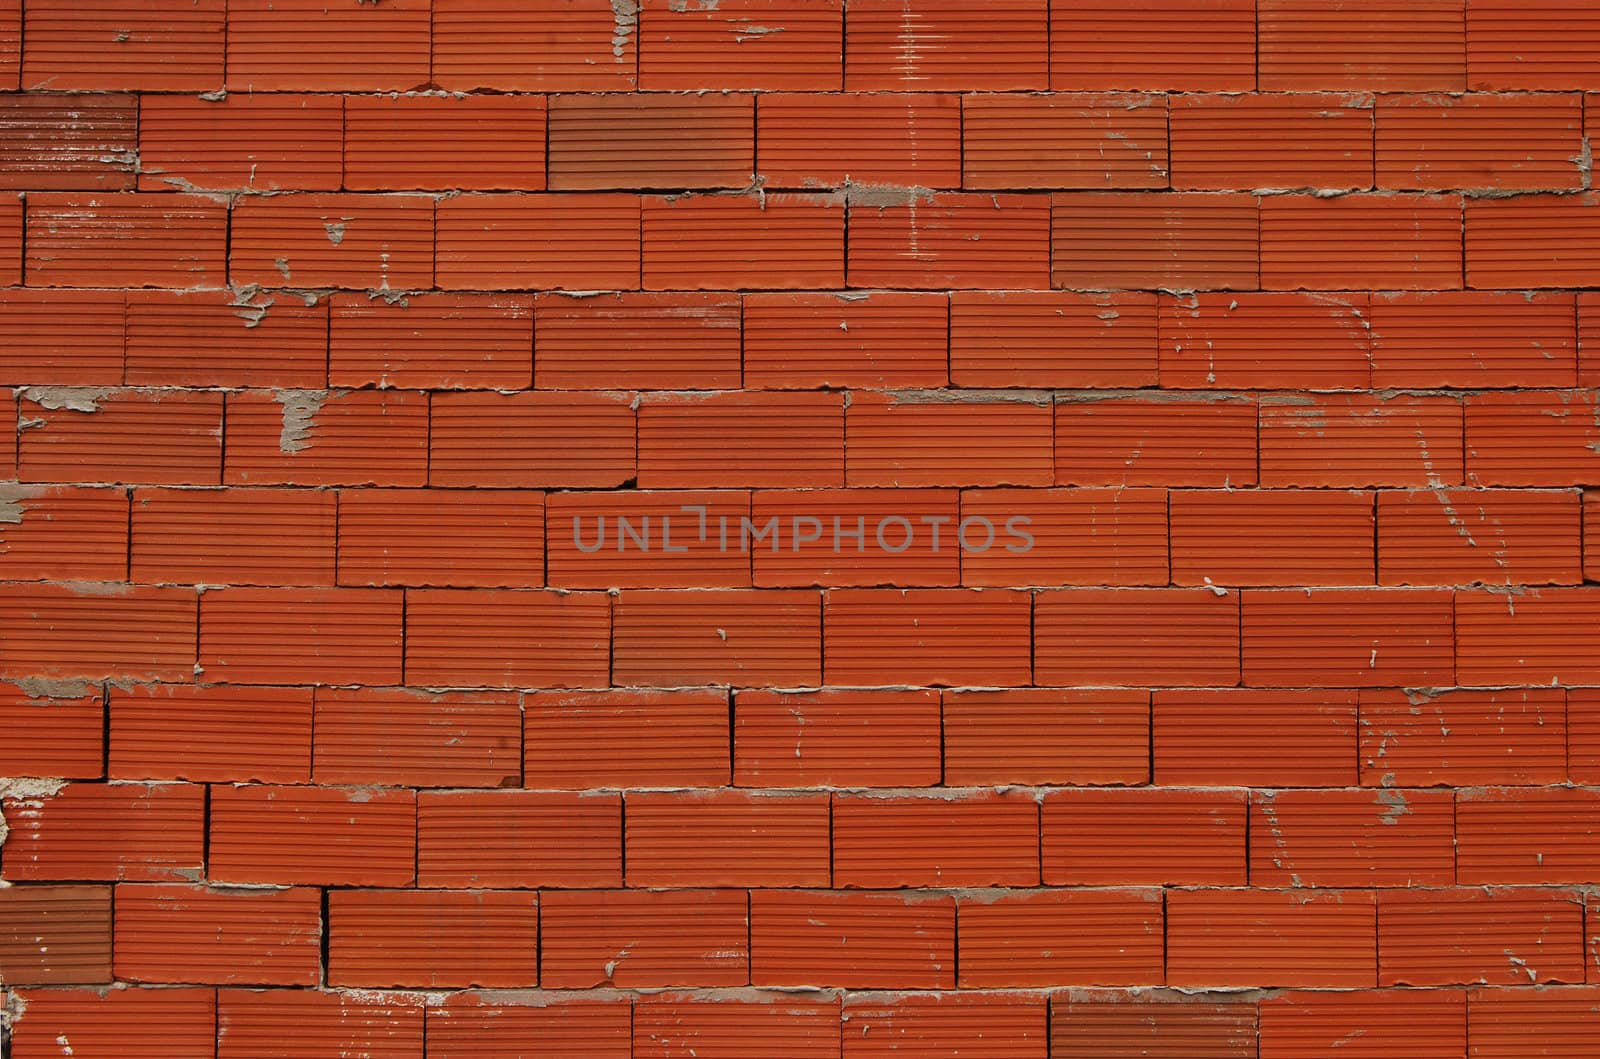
[[1322, 939], [211, 735], [1501, 1022], [1150, 1024], [317, 46], [727, 838], [518, 839], [1094, 142], [1464, 738], [433, 938], [926, 636], [60, 735], [1173, 240], [741, 44], [95, 631], [117, 1022], [432, 143], [1390, 45], [319, 836], [317, 240], [769, 440], [96, 831], [63, 532], [940, 45], [159, 46], [1507, 143], [55, 935], [1160, 45], [539, 440], [1060, 937], [13, 225], [1358, 242], [998, 1024], [9, 421], [1074, 537], [1591, 538], [1464, 937], [849, 537], [181, 934], [1292, 140], [931, 440], [129, 239], [740, 242], [237, 536], [302, 1023], [61, 338], [1582, 735], [11, 44], [1145, 837], [949, 240], [1348, 637], [1046, 736], [143, 436], [985, 838], [745, 637], [1365, 1025], [1538, 636], [579, 740], [1265, 341], [1531, 44], [639, 341], [1356, 440], [1473, 339], [889, 339], [1491, 536], [1052, 339], [502, 638], [242, 339], [1537, 836], [538, 242], [602, 142], [78, 143], [510, 45], [1532, 438], [667, 1026], [911, 139], [1256, 738], [486, 1026], [847, 940], [267, 142], [322, 437], [641, 939], [431, 341], [647, 539], [836, 739], [1352, 838], [1136, 636], [407, 738], [457, 538], [312, 635], [1272, 537], [1533, 241]]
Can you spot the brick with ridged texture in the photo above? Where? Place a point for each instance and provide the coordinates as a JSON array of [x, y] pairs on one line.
[[300, 1024], [1242, 938], [943, 45], [1047, 736], [573, 241], [211, 734], [58, 735], [317, 836], [720, 1026], [129, 1023], [642, 939], [1272, 537], [75, 143], [498, 1026], [531, 440], [97, 631], [1258, 738], [604, 142], [849, 940], [1265, 341], [1276, 140], [743, 242], [1150, 1024], [433, 341], [735, 44], [63, 532], [305, 636], [195, 934], [727, 838], [836, 738], [128, 239], [239, 536], [1052, 339], [953, 838], [433, 938], [1156, 45], [1428, 1024], [328, 45], [1134, 636], [1144, 837], [1389, 45], [1501, 936], [470, 143], [906, 139], [501, 638], [673, 341], [61, 337], [267, 142], [807, 341], [638, 738], [984, 1024], [55, 935], [518, 838], [926, 636], [401, 737], [1176, 240], [159, 46], [225, 339], [492, 538], [551, 46]]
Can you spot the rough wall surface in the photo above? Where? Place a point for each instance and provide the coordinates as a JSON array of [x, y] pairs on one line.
[[743, 529]]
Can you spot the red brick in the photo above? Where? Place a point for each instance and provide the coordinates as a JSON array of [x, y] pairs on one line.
[[641, 939], [518, 839], [731, 636], [449, 143], [1535, 837], [1061, 937], [318, 836], [1052, 339], [1145, 837], [95, 631], [910, 139], [118, 1023], [1173, 240], [1150, 1024], [1355, 440], [1591, 536], [13, 225], [124, 240], [1122, 441], [950, 240], [1265, 341], [460, 538], [183, 934], [267, 142], [1487, 536], [1352, 838], [1501, 1023], [1272, 537], [238, 536], [1094, 142], [1160, 45], [1315, 939], [1473, 339], [992, 1026], [1463, 937], [1065, 537], [490, 1026], [741, 44], [301, 1024], [647, 539], [984, 838], [1368, 1024], [1368, 44], [538, 440], [8, 434], [61, 735], [1505, 143], [1531, 44], [238, 339], [1533, 438], [155, 46], [140, 436], [939, 45], [323, 437], [926, 636], [1136, 636], [433, 938], [1537, 636], [313, 240], [1533, 241], [1347, 637], [211, 735], [1582, 735], [727, 838], [408, 738], [1464, 738], [54, 935], [314, 45], [603, 142], [1359, 242], [63, 532], [11, 44], [930, 440], [836, 739], [282, 635], [803, 341], [639, 341], [1292, 140], [715, 1027], [77, 143], [61, 337], [538, 242], [847, 940], [510, 45], [431, 341], [505, 638], [1256, 738], [1047, 736], [580, 740], [765, 440], [742, 242]]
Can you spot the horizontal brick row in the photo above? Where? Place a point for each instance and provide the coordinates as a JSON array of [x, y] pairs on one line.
[[311, 45]]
